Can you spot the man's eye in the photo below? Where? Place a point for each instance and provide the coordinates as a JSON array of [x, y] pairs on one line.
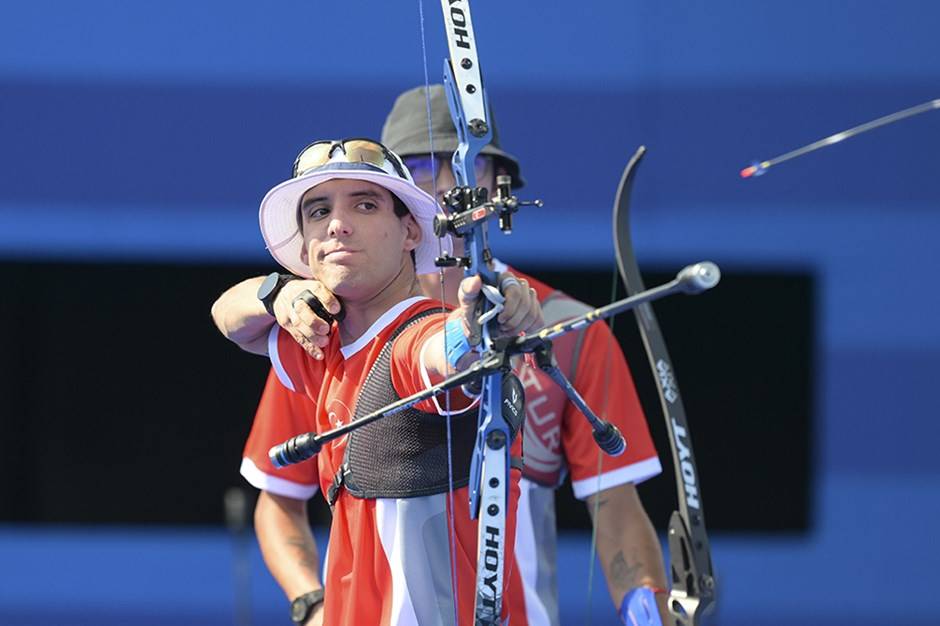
[[317, 212], [367, 206]]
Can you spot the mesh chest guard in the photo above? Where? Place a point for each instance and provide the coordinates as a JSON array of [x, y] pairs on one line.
[[404, 456]]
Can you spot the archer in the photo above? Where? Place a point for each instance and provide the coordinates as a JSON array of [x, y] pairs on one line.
[[353, 220]]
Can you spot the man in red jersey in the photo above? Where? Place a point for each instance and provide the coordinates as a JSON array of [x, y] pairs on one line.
[[557, 440], [352, 221]]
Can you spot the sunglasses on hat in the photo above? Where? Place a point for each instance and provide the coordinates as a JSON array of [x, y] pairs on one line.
[[356, 150]]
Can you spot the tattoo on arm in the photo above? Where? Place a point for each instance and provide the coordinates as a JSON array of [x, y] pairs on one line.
[[306, 549], [623, 573]]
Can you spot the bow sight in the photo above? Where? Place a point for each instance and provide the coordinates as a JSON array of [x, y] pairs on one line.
[[469, 207]]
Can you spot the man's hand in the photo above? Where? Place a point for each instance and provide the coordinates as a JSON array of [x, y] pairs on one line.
[[521, 312], [297, 318], [242, 318], [451, 351], [642, 607]]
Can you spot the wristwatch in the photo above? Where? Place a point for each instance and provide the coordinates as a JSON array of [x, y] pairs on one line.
[[271, 286], [302, 607]]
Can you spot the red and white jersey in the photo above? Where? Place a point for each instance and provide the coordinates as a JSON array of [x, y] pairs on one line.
[[390, 561], [558, 438], [281, 414], [557, 441]]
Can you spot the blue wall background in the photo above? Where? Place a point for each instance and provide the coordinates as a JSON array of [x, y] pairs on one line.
[[151, 130]]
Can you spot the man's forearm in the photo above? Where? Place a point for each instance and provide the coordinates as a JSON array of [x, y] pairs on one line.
[[241, 317], [287, 544], [627, 543]]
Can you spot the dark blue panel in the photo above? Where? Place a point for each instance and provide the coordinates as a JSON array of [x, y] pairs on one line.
[[881, 420], [108, 144], [608, 43], [119, 144], [699, 139]]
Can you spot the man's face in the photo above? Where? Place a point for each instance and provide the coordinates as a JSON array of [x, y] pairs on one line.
[[420, 166], [353, 241]]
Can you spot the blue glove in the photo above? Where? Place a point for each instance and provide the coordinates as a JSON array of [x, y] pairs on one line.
[[639, 608]]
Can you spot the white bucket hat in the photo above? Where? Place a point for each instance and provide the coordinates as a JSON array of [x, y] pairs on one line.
[[278, 214]]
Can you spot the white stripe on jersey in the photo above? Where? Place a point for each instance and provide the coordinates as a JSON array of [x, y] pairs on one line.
[[276, 358], [635, 473], [527, 556], [386, 513], [272, 484], [378, 326], [414, 536]]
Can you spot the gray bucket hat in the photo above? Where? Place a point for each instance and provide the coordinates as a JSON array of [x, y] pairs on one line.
[[406, 129]]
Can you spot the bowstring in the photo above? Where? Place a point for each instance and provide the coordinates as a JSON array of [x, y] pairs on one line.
[[452, 535]]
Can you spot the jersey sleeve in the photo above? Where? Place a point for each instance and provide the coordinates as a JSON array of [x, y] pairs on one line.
[[410, 375], [603, 379], [295, 369], [281, 414]]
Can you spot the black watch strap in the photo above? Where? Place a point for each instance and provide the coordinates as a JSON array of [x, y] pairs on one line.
[[302, 606], [269, 289]]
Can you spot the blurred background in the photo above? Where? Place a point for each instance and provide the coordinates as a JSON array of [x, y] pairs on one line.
[[136, 140]]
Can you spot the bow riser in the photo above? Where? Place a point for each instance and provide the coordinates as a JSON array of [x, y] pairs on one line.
[[489, 469]]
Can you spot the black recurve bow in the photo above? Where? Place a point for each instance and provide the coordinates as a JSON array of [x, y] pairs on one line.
[[693, 584]]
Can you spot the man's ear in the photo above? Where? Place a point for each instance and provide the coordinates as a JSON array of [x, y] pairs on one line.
[[304, 255], [413, 233]]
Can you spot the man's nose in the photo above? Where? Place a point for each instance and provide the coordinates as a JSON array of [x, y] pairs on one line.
[[339, 226]]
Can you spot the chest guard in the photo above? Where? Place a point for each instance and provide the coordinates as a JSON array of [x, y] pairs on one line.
[[405, 455]]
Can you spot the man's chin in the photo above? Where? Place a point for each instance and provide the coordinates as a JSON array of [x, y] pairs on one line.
[[341, 281]]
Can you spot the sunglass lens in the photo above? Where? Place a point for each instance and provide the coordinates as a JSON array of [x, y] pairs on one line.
[[314, 155], [365, 152], [422, 168], [481, 167]]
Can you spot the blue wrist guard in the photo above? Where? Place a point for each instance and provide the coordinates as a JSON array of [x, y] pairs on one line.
[[455, 341], [639, 608]]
